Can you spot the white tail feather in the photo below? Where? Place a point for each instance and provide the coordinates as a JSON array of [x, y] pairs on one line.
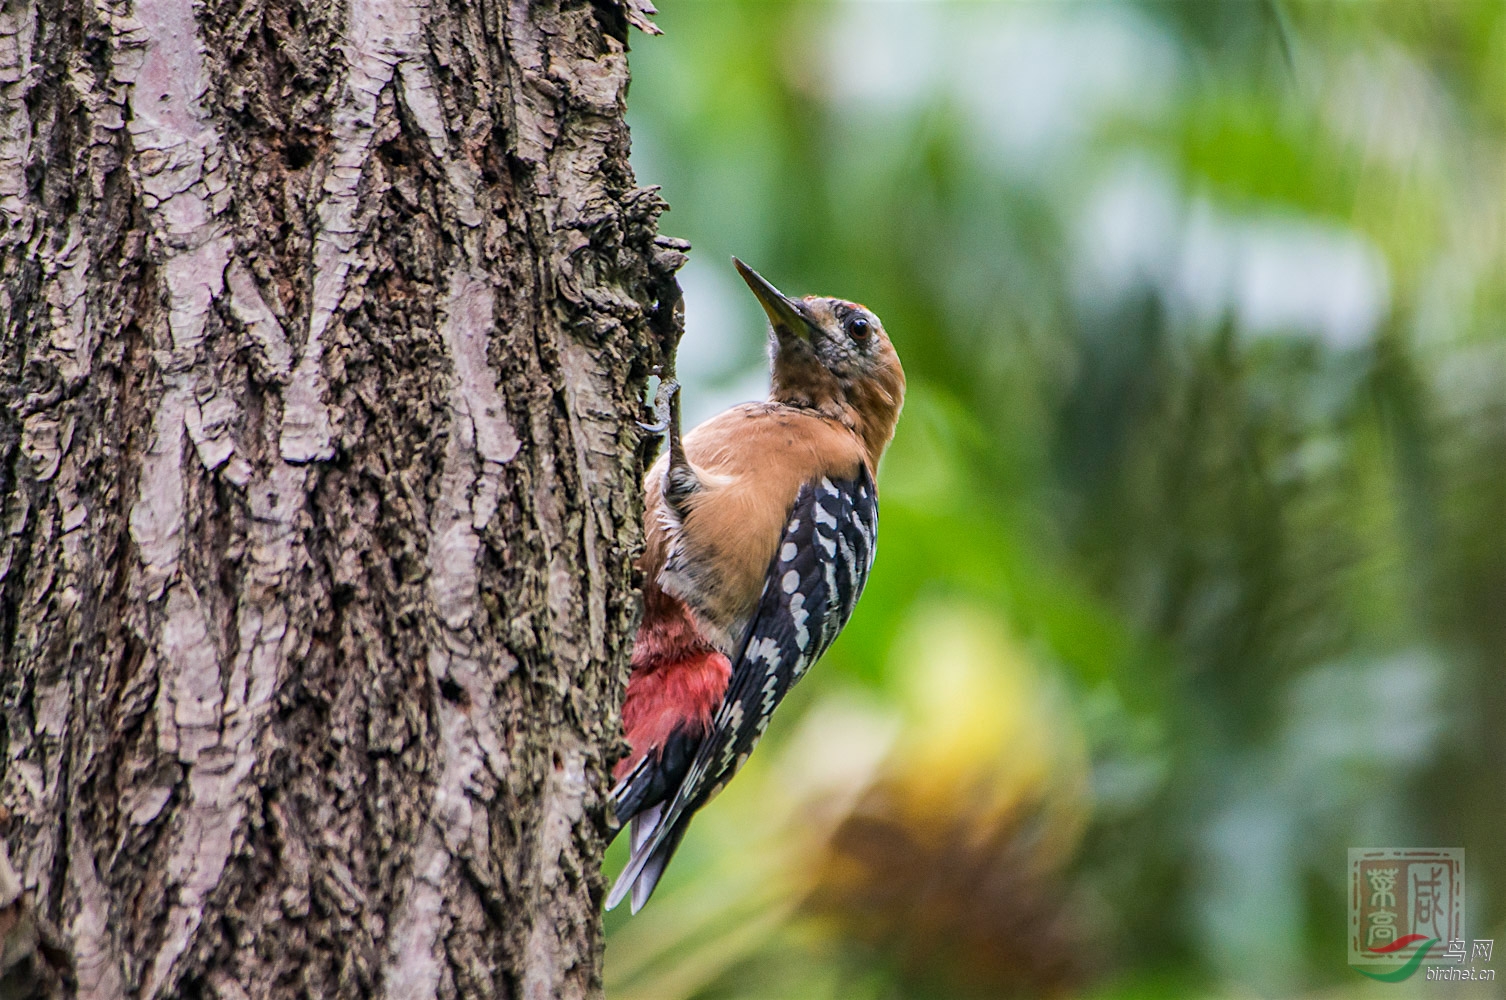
[[644, 825], [641, 832], [643, 885]]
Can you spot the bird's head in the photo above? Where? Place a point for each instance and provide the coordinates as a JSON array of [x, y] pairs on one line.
[[834, 357]]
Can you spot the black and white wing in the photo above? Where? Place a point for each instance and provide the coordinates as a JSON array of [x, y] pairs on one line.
[[813, 583]]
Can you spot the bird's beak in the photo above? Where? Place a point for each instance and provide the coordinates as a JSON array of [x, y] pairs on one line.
[[788, 317]]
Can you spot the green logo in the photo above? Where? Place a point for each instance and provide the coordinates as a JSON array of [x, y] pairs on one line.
[[1413, 963]]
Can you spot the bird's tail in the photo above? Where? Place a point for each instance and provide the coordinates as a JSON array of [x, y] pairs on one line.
[[655, 778], [642, 873]]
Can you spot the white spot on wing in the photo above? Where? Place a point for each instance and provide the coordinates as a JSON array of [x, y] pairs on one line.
[[788, 551], [790, 582], [850, 560], [799, 616], [765, 649], [735, 722], [769, 686], [828, 629]]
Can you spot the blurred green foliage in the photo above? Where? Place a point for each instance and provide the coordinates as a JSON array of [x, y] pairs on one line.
[[1193, 560]]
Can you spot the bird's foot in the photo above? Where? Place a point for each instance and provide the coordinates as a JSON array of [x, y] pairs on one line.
[[662, 410]]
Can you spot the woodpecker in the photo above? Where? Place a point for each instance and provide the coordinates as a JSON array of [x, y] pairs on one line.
[[761, 525]]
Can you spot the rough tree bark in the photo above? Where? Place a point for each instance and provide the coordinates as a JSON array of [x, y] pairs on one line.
[[325, 329]]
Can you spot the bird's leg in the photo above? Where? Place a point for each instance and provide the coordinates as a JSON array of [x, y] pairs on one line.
[[680, 479]]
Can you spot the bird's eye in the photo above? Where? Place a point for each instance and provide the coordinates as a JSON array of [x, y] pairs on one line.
[[858, 329]]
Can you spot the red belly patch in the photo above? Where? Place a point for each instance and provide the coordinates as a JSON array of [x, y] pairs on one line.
[[670, 695]]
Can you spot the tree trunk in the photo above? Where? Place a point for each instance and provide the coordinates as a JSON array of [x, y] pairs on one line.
[[325, 333]]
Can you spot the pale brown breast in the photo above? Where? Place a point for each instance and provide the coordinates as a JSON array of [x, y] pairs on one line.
[[752, 461]]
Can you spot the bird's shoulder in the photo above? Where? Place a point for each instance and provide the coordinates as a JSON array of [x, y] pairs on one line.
[[768, 439]]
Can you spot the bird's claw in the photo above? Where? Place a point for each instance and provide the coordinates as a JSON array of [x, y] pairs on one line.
[[667, 390]]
